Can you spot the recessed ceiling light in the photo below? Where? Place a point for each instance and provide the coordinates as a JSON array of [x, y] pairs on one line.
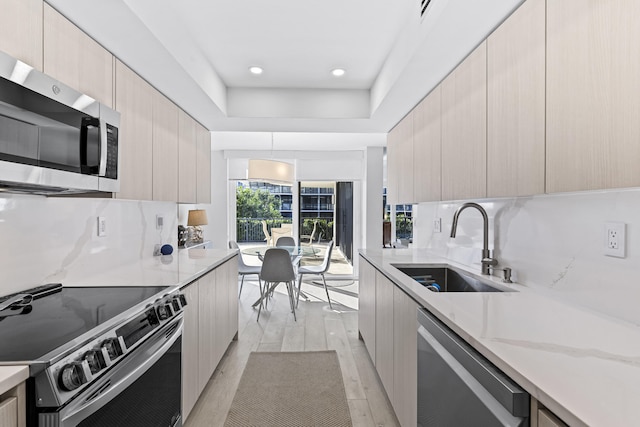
[[338, 72], [255, 70]]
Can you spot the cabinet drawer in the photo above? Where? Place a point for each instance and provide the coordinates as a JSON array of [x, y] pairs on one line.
[[9, 412]]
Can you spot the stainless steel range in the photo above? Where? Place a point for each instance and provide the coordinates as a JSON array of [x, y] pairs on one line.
[[98, 356]]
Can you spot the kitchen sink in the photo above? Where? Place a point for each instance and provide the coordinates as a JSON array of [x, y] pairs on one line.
[[443, 279]]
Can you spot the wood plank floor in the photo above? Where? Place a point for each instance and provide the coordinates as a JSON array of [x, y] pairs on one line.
[[317, 328]]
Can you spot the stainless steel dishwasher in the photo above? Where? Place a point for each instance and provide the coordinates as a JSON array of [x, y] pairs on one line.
[[458, 387]]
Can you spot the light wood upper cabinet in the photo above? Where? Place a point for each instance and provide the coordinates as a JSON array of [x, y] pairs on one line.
[[165, 148], [593, 131], [464, 128], [187, 158], [134, 102], [393, 170], [405, 358], [427, 149], [76, 59], [404, 160], [367, 306], [21, 30], [203, 164], [191, 384], [516, 103]]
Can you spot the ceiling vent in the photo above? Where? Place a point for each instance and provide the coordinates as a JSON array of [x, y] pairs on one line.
[[424, 5]]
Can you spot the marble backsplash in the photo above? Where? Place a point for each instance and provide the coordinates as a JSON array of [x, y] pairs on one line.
[[46, 240], [554, 244]]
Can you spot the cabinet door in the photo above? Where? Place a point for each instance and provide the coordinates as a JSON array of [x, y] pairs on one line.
[[405, 160], [221, 313], [405, 358], [206, 328], [203, 165], [187, 158], [384, 332], [21, 30], [464, 129], [191, 384], [134, 102], [367, 307], [13, 407], [9, 412], [516, 103], [232, 285], [427, 149], [393, 170], [592, 94], [76, 59], [165, 149]]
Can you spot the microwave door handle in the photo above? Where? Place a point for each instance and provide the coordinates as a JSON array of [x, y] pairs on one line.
[[87, 122], [102, 171]]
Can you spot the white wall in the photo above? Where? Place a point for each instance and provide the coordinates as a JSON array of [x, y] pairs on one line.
[[553, 243]]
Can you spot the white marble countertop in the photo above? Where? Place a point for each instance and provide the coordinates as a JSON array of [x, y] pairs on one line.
[[583, 366], [178, 269], [11, 376]]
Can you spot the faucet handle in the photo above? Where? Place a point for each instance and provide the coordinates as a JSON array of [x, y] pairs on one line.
[[490, 262]]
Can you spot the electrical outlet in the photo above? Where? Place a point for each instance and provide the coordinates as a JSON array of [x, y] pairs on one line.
[[437, 225], [615, 239], [102, 226], [159, 222]]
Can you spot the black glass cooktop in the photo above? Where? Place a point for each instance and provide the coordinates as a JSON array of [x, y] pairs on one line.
[[60, 317]]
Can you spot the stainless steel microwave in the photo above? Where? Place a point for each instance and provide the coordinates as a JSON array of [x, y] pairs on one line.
[[53, 139]]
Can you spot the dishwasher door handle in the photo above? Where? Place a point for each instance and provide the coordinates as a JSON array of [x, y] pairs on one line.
[[500, 413]]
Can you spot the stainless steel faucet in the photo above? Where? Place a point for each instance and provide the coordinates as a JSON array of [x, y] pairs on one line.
[[487, 261]]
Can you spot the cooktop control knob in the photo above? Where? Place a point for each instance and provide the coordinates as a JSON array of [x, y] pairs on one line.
[[71, 376], [183, 299], [175, 304], [95, 360], [164, 311], [112, 345]]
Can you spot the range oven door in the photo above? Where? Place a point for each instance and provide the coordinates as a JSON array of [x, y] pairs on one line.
[[457, 386], [142, 390]]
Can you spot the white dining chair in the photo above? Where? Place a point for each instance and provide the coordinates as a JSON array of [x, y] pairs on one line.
[[286, 241], [277, 268], [316, 269], [244, 269]]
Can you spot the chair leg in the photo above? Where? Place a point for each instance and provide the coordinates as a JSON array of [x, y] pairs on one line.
[[291, 289], [241, 283], [326, 290], [298, 293]]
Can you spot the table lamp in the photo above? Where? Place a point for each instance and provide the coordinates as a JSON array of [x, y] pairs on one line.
[[197, 217]]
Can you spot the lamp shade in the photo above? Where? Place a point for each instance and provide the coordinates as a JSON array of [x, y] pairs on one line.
[[197, 217], [270, 171]]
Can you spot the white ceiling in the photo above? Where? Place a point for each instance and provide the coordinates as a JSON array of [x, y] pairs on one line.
[[198, 52]]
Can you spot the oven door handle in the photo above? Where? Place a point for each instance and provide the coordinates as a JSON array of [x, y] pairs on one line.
[[122, 376]]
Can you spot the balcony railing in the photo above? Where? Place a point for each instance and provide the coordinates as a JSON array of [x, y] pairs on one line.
[[250, 229]]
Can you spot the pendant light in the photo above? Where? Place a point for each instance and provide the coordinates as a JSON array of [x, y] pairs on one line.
[[271, 171]]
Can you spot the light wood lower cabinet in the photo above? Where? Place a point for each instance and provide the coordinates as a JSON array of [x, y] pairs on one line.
[[13, 407], [405, 358], [388, 326], [209, 327], [384, 332], [367, 307]]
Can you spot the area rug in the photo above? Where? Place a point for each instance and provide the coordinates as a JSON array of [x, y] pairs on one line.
[[296, 389]]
